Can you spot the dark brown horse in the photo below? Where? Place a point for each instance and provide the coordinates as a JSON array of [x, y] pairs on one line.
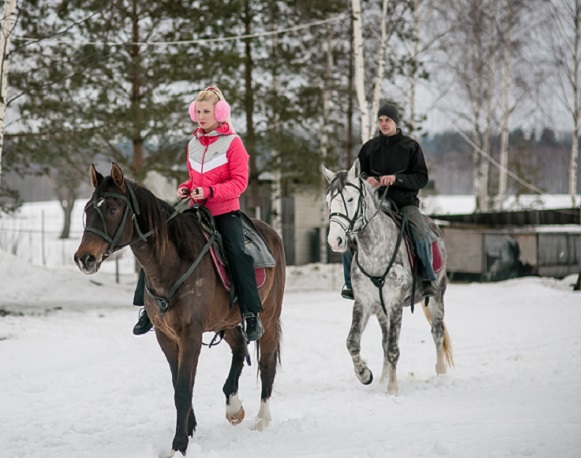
[[167, 245]]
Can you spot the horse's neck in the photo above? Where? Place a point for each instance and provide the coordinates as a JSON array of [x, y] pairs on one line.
[[161, 271], [379, 236]]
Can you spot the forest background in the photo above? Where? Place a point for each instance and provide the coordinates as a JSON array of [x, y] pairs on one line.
[[489, 87]]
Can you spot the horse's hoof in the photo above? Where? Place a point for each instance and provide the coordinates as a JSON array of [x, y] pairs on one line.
[[235, 418], [365, 376], [261, 424]]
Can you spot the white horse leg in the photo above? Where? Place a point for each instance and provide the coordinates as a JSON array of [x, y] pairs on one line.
[[435, 315], [358, 323], [391, 349], [234, 410], [382, 319], [263, 418]]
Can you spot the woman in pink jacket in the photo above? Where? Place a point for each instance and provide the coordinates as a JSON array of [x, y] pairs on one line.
[[218, 168]]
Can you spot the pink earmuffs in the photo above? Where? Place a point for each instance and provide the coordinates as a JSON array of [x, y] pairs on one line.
[[221, 111]]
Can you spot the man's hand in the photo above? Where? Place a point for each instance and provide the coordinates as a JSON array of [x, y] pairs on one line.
[[374, 182], [387, 180]]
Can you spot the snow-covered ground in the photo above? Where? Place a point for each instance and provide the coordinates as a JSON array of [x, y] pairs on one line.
[[75, 382]]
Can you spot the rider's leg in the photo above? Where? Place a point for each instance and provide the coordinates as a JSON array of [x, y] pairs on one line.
[[347, 258], [143, 325], [241, 266], [423, 246]]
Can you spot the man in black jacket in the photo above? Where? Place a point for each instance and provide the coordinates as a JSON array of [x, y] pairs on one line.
[[395, 162]]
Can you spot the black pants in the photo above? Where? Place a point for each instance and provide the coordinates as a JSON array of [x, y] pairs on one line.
[[240, 263]]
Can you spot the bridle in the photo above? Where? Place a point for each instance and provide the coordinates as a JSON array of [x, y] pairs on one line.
[[342, 219], [130, 205], [350, 231], [133, 206]]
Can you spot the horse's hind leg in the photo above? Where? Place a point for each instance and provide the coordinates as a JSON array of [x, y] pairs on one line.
[[358, 324], [268, 353], [435, 314], [234, 408]]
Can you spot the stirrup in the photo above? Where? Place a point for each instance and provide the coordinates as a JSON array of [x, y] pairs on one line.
[[253, 328]]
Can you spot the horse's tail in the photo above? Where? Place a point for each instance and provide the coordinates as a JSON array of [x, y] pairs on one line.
[[276, 356], [446, 342]]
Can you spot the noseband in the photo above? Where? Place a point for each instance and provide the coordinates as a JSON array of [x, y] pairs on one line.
[[359, 215], [131, 204]]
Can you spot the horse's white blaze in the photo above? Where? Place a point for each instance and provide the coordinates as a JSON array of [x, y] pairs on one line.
[[263, 418]]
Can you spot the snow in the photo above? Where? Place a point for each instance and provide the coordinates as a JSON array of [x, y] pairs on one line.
[[75, 382]]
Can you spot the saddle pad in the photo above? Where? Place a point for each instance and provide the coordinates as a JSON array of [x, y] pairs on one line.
[[437, 263], [259, 272]]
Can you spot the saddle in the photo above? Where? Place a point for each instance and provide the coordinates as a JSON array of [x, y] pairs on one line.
[[254, 245], [390, 208]]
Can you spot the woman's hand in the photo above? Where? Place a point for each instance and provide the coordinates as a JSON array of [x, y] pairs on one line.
[[198, 194], [183, 193], [373, 182]]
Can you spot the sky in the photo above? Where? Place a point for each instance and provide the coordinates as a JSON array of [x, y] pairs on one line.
[[77, 383]]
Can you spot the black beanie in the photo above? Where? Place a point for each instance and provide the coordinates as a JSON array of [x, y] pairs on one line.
[[390, 111]]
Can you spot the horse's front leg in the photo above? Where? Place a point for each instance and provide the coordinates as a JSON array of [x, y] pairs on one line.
[[391, 349], [234, 409], [189, 353], [358, 324]]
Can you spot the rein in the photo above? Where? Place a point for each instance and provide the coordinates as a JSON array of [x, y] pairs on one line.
[[132, 204]]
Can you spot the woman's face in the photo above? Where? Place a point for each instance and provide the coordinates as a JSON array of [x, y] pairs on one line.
[[387, 126], [206, 116]]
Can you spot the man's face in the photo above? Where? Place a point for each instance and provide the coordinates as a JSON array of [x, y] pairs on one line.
[[387, 126]]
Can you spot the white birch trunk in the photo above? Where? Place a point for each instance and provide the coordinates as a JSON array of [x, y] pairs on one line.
[[325, 143], [485, 163], [573, 163], [380, 71], [276, 188], [503, 170], [413, 79], [8, 21], [359, 62]]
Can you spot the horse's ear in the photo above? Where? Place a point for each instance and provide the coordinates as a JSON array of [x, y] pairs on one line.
[[117, 175], [355, 170], [330, 176], [96, 177]]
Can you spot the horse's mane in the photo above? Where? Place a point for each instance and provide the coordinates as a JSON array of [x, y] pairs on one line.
[[181, 230], [338, 183]]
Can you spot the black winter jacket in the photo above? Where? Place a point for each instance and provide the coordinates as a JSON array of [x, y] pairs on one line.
[[397, 155]]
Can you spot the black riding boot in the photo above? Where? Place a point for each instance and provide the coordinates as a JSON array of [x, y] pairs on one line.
[[429, 288], [253, 326], [143, 324]]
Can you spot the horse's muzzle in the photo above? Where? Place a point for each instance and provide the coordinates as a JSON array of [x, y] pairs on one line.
[[87, 263]]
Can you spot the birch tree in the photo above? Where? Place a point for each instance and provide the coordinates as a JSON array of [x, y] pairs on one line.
[[566, 49], [8, 21], [367, 115]]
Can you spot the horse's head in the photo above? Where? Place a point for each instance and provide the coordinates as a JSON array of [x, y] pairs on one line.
[[346, 200], [111, 206]]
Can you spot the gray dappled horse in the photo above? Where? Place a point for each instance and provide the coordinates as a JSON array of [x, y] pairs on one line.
[[381, 273], [172, 250]]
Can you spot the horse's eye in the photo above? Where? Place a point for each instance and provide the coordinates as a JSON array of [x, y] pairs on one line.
[[350, 199], [112, 211]]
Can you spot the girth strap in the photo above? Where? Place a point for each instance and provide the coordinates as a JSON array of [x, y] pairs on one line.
[[163, 302]]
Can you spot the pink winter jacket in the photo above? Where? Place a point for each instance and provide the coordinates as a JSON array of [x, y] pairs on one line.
[[218, 162]]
